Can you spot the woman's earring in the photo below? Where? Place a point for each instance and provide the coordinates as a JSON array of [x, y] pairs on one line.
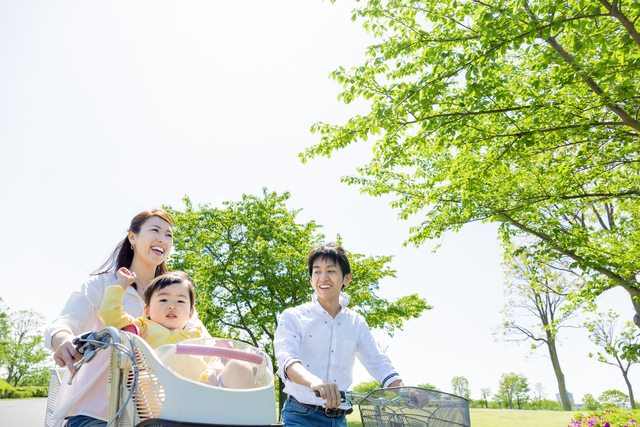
[[132, 246]]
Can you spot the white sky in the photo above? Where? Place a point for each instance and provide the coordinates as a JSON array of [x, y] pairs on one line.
[[110, 107]]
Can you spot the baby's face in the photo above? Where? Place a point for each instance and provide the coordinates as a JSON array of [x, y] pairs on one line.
[[170, 306]]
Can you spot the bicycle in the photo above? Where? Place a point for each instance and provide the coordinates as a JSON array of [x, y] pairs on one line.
[[152, 388]]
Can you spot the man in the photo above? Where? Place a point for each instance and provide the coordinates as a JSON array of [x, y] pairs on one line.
[[316, 345]]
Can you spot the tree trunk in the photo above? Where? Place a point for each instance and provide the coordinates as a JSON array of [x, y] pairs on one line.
[[551, 345], [631, 399], [282, 396]]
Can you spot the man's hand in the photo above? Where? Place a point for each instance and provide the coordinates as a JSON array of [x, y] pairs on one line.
[[328, 391], [419, 399]]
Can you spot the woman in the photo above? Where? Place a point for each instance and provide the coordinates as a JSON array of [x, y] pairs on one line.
[[143, 251]]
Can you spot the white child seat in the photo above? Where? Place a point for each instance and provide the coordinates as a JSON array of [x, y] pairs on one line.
[[168, 398]]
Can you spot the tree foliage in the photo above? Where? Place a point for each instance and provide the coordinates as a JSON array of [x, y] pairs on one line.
[[5, 330], [429, 386], [538, 394], [460, 387], [486, 392], [513, 387], [520, 112], [24, 346], [537, 307], [367, 387], [614, 399], [248, 261], [602, 332], [591, 403]]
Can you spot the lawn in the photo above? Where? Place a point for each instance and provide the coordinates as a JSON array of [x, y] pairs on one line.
[[502, 418]]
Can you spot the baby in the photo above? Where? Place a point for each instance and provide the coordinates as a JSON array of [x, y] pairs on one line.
[[169, 305]]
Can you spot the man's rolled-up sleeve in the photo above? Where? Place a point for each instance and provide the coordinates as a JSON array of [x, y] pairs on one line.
[[377, 364]]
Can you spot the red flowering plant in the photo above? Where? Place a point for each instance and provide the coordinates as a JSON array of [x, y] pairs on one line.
[[607, 418]]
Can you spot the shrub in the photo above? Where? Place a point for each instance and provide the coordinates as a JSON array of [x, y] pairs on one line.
[[35, 391], [607, 418], [5, 389], [551, 405], [19, 394]]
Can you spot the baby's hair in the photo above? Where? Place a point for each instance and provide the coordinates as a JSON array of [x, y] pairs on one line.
[[168, 279]]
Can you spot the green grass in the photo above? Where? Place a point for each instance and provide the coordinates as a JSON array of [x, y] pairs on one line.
[[501, 418]]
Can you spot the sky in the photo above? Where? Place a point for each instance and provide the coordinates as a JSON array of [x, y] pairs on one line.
[[108, 108]]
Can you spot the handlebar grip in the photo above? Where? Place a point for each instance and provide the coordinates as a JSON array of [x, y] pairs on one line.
[[342, 395]]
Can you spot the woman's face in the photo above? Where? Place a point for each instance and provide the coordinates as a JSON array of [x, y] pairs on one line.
[[154, 241]]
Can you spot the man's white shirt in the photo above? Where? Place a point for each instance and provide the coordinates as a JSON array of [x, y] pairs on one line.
[[327, 347]]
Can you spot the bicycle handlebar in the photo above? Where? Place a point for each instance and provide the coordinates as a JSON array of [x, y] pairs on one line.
[[342, 395]]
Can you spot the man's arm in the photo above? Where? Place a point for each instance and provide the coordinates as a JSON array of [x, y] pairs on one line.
[[328, 391], [377, 364], [286, 344]]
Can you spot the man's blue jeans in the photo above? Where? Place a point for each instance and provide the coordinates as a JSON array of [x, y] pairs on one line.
[[294, 414]]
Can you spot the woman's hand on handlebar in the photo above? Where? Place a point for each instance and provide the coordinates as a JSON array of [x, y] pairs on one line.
[[66, 353], [329, 392]]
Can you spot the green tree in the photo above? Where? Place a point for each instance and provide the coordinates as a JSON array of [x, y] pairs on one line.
[[429, 386], [24, 346], [522, 391], [538, 394], [513, 386], [5, 330], [602, 332], [39, 377], [591, 403], [460, 387], [248, 260], [614, 399], [486, 392], [537, 289], [518, 112], [367, 387]]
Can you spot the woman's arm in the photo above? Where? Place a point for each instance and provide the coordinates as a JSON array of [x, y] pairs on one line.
[[65, 352], [77, 316]]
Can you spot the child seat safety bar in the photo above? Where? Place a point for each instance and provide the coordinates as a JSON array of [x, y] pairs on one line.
[[228, 353]]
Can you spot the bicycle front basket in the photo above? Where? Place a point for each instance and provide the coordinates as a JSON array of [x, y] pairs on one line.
[[413, 407]]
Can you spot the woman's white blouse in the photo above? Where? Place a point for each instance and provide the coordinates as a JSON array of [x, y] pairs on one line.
[[88, 393]]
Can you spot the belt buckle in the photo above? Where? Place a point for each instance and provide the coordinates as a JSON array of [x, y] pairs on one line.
[[332, 412]]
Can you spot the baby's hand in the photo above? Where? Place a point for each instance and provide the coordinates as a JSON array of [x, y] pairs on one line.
[[125, 278], [209, 377]]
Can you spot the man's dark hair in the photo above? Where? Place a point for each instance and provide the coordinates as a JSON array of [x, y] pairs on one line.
[[168, 279], [330, 251]]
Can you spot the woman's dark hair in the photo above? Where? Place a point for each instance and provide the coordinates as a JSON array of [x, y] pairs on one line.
[[122, 255], [168, 279], [330, 251]]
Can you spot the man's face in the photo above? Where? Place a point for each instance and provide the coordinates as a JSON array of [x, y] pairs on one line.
[[327, 280]]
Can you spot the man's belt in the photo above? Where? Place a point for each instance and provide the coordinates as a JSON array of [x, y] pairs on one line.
[[329, 412]]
